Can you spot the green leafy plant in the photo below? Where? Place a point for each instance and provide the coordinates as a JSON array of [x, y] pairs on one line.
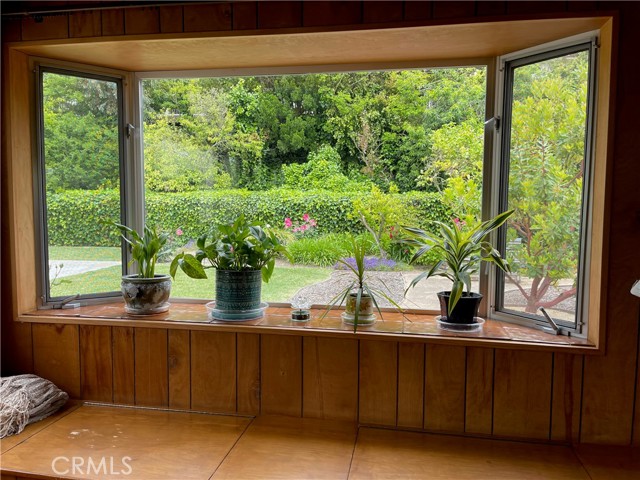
[[358, 285], [460, 250], [237, 246], [144, 249]]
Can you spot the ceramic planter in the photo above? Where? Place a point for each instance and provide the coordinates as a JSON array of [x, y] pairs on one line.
[[465, 311], [238, 291], [146, 296], [365, 314]]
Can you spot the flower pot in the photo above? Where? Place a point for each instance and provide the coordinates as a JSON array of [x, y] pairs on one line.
[[238, 290], [465, 310], [365, 314], [146, 296]]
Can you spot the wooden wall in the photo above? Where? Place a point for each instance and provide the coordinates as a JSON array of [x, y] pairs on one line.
[[442, 388]]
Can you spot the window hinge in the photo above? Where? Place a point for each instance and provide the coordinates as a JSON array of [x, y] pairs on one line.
[[130, 130], [493, 122], [555, 329]]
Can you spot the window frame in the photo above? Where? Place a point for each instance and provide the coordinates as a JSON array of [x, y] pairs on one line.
[[40, 66], [588, 41]]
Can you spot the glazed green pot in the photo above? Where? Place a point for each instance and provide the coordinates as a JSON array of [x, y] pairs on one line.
[[238, 290]]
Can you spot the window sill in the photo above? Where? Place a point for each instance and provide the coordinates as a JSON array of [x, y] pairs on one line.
[[395, 326]]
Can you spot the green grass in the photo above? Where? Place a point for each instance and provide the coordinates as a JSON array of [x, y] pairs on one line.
[[85, 253], [284, 283], [326, 250]]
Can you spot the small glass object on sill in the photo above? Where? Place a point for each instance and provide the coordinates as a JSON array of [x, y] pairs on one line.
[[301, 305]]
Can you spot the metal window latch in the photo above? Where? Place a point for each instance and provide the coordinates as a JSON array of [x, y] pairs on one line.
[[65, 303], [493, 122], [555, 329], [130, 130]]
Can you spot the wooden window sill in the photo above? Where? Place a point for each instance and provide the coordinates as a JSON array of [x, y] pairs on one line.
[[395, 326]]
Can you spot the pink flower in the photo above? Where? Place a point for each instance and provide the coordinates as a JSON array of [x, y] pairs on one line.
[[179, 232], [304, 227], [296, 229], [305, 217], [312, 222], [287, 222]]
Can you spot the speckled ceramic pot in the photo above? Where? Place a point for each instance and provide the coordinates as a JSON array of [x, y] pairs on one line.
[[146, 296], [365, 314], [238, 290]]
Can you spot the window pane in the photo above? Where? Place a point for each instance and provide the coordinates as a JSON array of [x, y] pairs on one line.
[[546, 172], [81, 184]]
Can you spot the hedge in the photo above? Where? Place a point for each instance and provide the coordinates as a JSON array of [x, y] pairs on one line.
[[82, 217]]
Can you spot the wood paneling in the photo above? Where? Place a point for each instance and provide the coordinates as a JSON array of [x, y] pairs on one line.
[[418, 10], [248, 374], [494, 8], [56, 356], [276, 14], [522, 394], [123, 365], [209, 17], [245, 15], [141, 20], [151, 380], [85, 24], [281, 374], [378, 382], [444, 396], [523, 8], [334, 12], [179, 360], [479, 394], [45, 28], [454, 9], [381, 12], [330, 378], [11, 30], [213, 365], [171, 18], [411, 385], [567, 397], [112, 22], [96, 363]]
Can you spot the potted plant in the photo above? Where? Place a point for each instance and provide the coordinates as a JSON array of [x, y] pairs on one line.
[[462, 251], [359, 295], [145, 293], [243, 255]]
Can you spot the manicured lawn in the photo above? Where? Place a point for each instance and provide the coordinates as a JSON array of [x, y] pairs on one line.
[[85, 253], [284, 283]]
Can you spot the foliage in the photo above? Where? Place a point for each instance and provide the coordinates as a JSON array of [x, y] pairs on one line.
[[326, 250], [237, 246], [460, 250], [359, 287], [370, 264], [144, 248], [306, 227], [75, 218]]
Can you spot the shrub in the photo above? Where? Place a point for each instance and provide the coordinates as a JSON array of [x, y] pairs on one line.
[[326, 250], [79, 217]]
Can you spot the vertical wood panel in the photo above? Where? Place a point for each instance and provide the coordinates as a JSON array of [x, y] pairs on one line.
[[248, 374], [141, 20], [491, 8], [281, 361], [378, 382], [56, 356], [454, 9], [417, 10], [179, 361], [213, 371], [319, 13], [444, 402], [522, 394], [151, 380], [567, 396], [245, 15], [411, 358], [206, 18], [48, 28], [112, 22], [17, 347], [85, 24], [522, 8], [330, 378], [381, 12], [171, 18], [123, 365], [96, 363], [11, 30], [479, 396], [276, 14]]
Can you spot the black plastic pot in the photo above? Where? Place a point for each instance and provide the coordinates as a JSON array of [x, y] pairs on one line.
[[465, 310]]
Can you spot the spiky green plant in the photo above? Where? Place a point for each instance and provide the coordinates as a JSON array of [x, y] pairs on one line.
[[144, 249]]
